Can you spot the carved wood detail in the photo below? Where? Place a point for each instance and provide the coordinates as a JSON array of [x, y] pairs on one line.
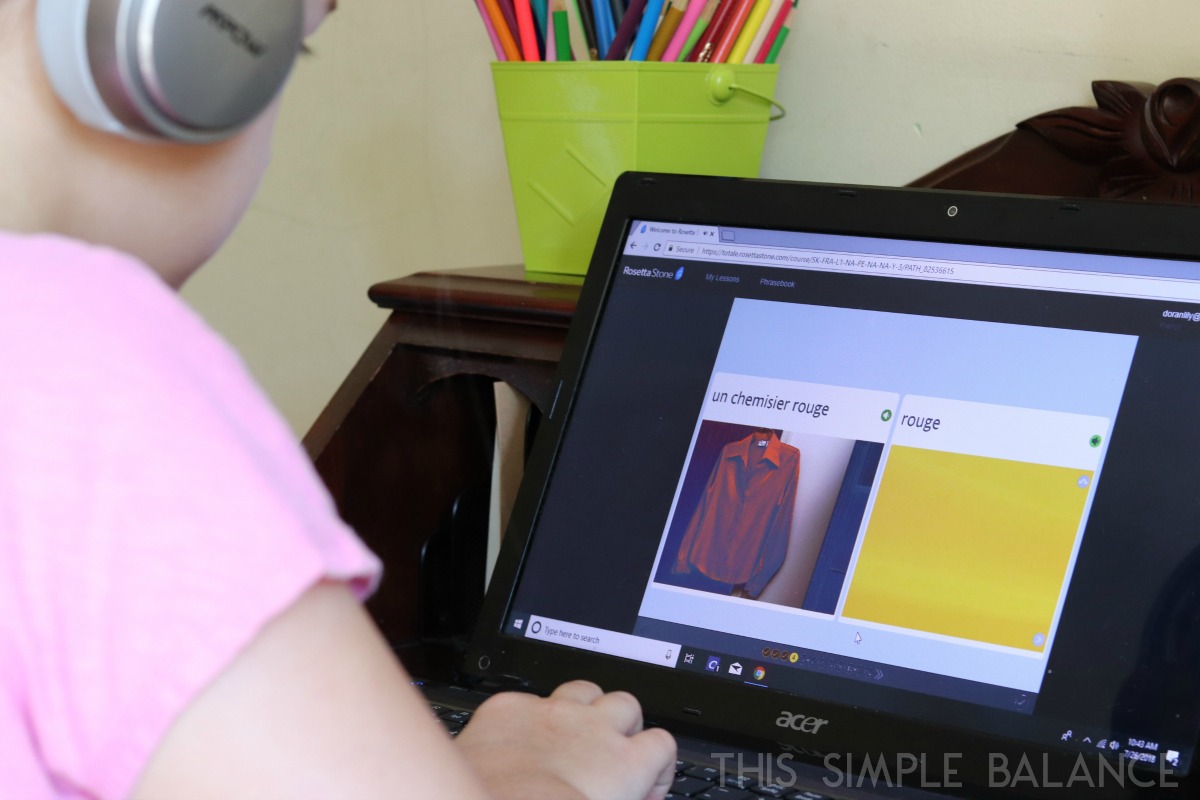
[[1140, 142]]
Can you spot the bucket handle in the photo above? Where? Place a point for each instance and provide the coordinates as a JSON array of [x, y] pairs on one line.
[[722, 83]]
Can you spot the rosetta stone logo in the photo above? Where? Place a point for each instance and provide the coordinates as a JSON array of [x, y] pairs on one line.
[[679, 274], [643, 229]]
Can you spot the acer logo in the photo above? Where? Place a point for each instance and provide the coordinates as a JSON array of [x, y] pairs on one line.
[[799, 722], [240, 34]]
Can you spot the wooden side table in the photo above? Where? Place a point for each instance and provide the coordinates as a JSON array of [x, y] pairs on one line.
[[405, 445]]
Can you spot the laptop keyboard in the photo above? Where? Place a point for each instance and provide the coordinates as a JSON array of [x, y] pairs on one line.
[[703, 783], [694, 781], [453, 718]]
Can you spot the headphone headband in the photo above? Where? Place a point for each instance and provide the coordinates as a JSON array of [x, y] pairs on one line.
[[185, 70]]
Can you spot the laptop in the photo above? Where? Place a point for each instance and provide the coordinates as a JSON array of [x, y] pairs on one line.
[[872, 492]]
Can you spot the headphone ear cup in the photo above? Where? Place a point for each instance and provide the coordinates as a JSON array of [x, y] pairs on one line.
[[184, 70], [62, 39]]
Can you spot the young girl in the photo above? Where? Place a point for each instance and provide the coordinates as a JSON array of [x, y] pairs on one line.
[[179, 603]]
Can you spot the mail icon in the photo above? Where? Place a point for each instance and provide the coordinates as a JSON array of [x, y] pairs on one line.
[[735, 668]]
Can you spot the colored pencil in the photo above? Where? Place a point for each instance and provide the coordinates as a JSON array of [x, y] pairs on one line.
[[666, 29], [528, 31], [543, 22], [760, 35], [641, 44], [741, 47], [629, 27], [684, 30], [611, 19], [579, 42], [618, 12], [689, 46], [780, 20], [584, 7], [728, 38], [716, 26], [510, 19], [778, 45], [605, 29], [491, 31], [562, 31], [697, 30], [549, 48], [511, 51], [539, 16]]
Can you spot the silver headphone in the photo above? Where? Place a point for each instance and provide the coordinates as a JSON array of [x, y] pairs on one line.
[[183, 70]]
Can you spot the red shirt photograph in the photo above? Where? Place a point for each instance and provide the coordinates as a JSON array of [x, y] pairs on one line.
[[739, 532]]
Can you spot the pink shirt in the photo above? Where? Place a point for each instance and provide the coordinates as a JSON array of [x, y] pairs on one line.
[[155, 513]]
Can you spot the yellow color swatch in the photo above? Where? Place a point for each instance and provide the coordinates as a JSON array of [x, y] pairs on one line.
[[966, 546]]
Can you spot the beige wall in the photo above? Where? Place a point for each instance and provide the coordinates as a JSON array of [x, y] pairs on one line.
[[389, 158]]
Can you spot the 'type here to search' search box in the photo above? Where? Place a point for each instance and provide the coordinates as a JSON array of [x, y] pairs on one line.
[[599, 640]]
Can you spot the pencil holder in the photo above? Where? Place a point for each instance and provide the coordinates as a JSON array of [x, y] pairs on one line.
[[570, 128]]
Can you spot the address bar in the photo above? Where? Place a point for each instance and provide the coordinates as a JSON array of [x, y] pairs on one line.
[[932, 269]]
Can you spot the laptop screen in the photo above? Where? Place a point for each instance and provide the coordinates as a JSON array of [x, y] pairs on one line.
[[943, 481]]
